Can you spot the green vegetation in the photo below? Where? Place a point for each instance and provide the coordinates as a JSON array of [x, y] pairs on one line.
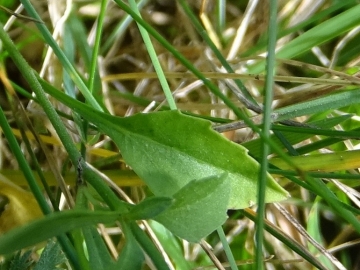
[[179, 135]]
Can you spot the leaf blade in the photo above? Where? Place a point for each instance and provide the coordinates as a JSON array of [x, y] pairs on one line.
[[47, 227], [168, 156], [199, 145], [198, 209]]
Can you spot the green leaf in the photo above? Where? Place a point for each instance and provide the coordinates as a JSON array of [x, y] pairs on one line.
[[99, 256], [131, 256], [168, 150], [20, 261], [50, 257], [47, 227], [199, 208], [171, 246], [149, 208]]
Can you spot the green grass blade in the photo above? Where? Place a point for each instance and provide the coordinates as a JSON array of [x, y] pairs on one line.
[[332, 200], [318, 145], [154, 59], [293, 137], [182, 59], [266, 125], [313, 228], [322, 104], [227, 249], [221, 15], [70, 52], [75, 33], [61, 56], [321, 33], [23, 164], [315, 19], [95, 53], [47, 227], [148, 247], [317, 131], [316, 36], [171, 245], [99, 257], [120, 29], [131, 256], [217, 53], [78, 236], [54, 118]]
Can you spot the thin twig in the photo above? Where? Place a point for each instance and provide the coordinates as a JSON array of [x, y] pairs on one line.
[[23, 17]]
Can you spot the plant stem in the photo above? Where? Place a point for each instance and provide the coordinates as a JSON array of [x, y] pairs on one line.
[[227, 249], [270, 64], [154, 59], [99, 27]]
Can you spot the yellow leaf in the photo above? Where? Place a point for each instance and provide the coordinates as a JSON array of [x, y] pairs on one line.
[[20, 208], [327, 162]]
